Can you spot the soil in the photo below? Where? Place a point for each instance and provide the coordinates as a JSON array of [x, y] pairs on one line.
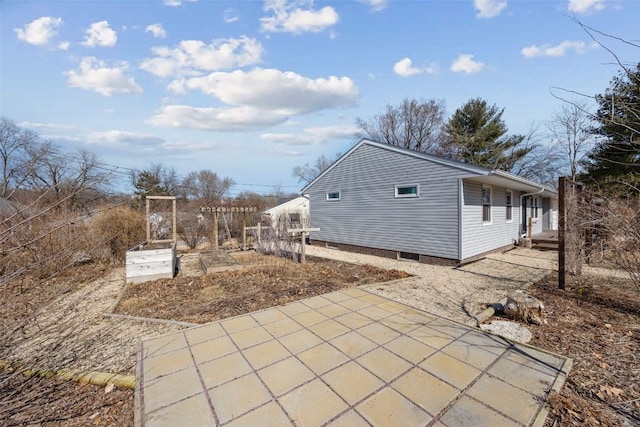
[[265, 282], [596, 322]]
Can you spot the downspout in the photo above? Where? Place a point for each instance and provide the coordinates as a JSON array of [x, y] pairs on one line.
[[527, 195], [460, 208]]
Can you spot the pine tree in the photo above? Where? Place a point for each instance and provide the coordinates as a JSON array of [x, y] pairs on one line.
[[476, 134], [616, 157]]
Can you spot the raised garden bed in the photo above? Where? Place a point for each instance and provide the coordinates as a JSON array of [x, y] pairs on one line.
[[216, 261], [146, 262]]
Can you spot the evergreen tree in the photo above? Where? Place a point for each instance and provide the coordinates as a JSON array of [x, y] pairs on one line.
[[616, 157], [476, 134]]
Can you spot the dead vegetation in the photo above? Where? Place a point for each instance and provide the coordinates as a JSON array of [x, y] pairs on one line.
[[595, 321], [267, 282]]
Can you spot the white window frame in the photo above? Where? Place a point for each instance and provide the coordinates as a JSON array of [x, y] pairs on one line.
[[333, 199], [407, 196], [535, 206], [482, 205], [508, 208]]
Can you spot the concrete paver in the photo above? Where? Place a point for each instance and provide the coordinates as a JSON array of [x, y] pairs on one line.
[[347, 358]]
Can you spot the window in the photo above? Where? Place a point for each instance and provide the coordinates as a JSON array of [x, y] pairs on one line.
[[534, 207], [333, 195], [486, 204], [407, 191], [508, 202], [294, 218]]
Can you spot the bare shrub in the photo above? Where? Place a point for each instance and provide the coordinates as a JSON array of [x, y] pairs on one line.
[[118, 230], [192, 229]]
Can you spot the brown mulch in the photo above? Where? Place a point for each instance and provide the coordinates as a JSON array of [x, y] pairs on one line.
[[596, 322], [271, 282]]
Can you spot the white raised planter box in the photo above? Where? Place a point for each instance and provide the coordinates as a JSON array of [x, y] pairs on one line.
[[154, 261]]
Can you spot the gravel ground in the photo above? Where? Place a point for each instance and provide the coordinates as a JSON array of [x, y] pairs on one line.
[[455, 293], [73, 331]]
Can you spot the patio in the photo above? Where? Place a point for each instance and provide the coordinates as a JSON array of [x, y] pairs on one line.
[[345, 358]]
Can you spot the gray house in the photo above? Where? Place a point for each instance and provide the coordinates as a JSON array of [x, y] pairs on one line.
[[399, 203]]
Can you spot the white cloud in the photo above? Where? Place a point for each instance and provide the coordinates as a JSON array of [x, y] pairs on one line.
[[314, 135], [583, 7], [156, 30], [39, 31], [173, 3], [124, 138], [376, 5], [191, 55], [230, 16], [465, 64], [100, 34], [63, 45], [47, 126], [268, 88], [93, 74], [489, 8], [405, 68], [289, 17], [255, 99], [218, 119], [554, 51]]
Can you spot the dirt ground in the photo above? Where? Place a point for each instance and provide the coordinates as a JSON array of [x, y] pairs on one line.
[[596, 322], [264, 282]]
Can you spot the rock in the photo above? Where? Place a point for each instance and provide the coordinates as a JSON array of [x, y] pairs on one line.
[[521, 306], [509, 330]]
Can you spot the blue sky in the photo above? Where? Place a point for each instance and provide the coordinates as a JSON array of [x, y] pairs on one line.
[[251, 89]]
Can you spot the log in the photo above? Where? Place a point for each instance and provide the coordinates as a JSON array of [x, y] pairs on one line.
[[520, 306]]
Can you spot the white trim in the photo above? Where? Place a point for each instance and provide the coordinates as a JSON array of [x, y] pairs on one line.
[[407, 196], [506, 207], [333, 199], [490, 188]]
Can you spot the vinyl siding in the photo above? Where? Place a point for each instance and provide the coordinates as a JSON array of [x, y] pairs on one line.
[[369, 215], [546, 214], [477, 237]]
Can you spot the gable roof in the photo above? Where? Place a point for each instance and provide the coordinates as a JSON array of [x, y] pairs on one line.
[[477, 173], [291, 204]]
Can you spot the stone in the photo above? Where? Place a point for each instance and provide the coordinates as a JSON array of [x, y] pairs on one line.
[[510, 330]]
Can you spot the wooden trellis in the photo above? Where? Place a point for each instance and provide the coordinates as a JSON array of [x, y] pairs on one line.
[[217, 210]]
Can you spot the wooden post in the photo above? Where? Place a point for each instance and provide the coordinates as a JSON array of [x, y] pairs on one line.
[[175, 217], [561, 232], [148, 221], [303, 232], [215, 229], [244, 231], [529, 227]]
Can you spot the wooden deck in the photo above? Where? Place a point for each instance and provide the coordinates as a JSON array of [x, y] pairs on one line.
[[547, 240]]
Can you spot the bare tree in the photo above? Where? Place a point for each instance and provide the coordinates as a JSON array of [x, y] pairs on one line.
[[17, 163], [416, 125], [68, 176], [307, 173], [206, 186], [570, 129], [543, 162]]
